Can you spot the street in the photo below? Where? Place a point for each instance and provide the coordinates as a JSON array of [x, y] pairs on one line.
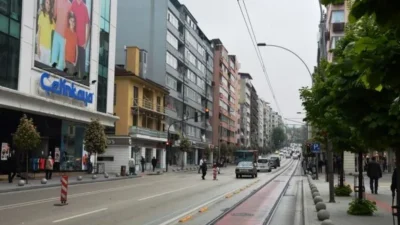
[[149, 200]]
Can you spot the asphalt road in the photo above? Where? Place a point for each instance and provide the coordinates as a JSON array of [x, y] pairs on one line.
[[151, 200]]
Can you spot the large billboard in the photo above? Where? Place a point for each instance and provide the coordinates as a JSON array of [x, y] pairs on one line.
[[62, 38]]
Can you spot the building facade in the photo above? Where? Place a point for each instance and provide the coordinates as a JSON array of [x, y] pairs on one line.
[[336, 18], [267, 127], [61, 84], [245, 104], [225, 96], [140, 106], [260, 138], [254, 118], [181, 58]]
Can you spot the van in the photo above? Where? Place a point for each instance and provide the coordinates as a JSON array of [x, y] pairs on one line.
[[274, 161], [263, 165]]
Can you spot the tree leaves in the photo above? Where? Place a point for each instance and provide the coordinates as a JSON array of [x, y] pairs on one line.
[[26, 138], [278, 137], [95, 139], [185, 145]]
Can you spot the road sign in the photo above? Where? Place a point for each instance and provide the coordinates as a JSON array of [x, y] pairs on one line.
[[315, 147]]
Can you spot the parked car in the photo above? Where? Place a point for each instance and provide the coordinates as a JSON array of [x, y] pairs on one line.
[[274, 161], [288, 156], [295, 156], [263, 165], [246, 168]]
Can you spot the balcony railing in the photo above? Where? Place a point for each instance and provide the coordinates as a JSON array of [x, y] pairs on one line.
[[134, 130], [148, 104]]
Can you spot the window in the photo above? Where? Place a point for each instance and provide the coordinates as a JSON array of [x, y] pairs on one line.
[[232, 64], [224, 81], [337, 16], [191, 23], [171, 83], [191, 94], [223, 92], [135, 96], [201, 50], [334, 40], [201, 83], [102, 83], [10, 16], [172, 40], [172, 61], [223, 105], [231, 88], [172, 19], [201, 67], [190, 57], [191, 76]]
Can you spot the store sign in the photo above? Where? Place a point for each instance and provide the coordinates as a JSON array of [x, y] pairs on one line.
[[65, 88], [119, 141]]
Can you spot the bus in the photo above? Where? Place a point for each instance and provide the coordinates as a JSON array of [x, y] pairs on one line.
[[245, 155]]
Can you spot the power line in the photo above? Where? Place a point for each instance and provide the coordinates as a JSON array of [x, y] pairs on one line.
[[251, 32]]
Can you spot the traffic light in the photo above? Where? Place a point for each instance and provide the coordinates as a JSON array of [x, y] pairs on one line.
[[207, 114], [167, 143], [196, 117]]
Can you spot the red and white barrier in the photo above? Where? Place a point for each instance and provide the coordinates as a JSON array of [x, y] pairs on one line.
[[64, 189]]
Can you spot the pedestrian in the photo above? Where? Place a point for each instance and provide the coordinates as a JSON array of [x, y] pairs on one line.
[[154, 163], [143, 162], [200, 164], [393, 186], [204, 169], [49, 167], [12, 164], [374, 172]]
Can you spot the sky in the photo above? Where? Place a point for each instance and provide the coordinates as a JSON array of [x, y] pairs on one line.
[[292, 24]]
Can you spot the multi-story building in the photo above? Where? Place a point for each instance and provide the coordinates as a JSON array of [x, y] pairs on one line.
[[180, 57], [60, 86], [267, 127], [254, 120], [260, 138], [139, 103], [245, 103], [225, 95], [336, 19]]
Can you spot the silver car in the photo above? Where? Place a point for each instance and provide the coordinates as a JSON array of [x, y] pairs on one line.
[[263, 165], [246, 168]]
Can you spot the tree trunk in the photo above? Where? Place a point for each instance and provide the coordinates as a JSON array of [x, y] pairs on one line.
[[397, 152], [330, 173], [360, 175], [27, 166], [341, 171]]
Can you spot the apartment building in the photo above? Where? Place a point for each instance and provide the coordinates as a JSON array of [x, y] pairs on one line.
[[139, 103], [267, 126], [254, 117], [260, 138], [336, 18], [245, 103], [60, 98], [181, 58], [225, 95]]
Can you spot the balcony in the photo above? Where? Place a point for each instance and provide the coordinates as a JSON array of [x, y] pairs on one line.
[[338, 27], [141, 132], [148, 104]]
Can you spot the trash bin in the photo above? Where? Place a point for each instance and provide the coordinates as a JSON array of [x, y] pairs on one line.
[[123, 170]]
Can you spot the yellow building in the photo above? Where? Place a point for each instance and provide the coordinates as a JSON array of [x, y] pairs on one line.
[[139, 103]]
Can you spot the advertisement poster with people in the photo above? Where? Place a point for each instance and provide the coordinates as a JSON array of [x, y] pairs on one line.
[[5, 151], [62, 38]]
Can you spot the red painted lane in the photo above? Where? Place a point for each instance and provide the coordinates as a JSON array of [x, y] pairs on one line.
[[255, 209]]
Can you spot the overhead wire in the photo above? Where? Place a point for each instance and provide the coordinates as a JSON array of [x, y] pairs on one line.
[[251, 32]]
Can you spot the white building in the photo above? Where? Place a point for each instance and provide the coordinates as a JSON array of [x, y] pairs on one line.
[[245, 102], [39, 77], [260, 138]]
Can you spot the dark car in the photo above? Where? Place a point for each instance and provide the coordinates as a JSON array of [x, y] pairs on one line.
[[274, 162], [246, 168]]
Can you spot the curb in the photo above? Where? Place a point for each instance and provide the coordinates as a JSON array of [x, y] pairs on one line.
[[26, 188]]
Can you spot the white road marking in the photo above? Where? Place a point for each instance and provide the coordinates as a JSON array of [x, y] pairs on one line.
[[168, 192], [22, 204], [79, 215]]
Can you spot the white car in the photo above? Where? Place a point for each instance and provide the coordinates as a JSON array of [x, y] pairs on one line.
[[288, 156], [295, 156], [263, 165]]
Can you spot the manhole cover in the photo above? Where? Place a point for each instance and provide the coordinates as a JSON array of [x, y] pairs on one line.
[[242, 214]]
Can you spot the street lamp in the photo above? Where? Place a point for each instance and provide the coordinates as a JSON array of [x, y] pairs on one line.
[[288, 50]]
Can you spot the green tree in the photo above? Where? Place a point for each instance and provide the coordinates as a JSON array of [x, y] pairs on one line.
[[95, 139], [185, 146], [26, 138], [278, 137]]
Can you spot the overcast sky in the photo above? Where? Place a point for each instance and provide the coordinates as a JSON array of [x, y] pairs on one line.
[[289, 23]]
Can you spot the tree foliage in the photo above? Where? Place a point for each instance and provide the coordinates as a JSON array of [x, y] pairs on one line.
[[278, 137], [95, 139], [26, 138], [185, 145]]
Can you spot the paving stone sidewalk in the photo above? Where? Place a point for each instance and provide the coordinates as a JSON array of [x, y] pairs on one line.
[[338, 210]]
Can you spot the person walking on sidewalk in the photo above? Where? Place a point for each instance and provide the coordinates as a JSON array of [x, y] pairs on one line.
[[374, 172], [143, 162], [49, 167], [200, 164], [204, 169], [12, 164], [154, 163]]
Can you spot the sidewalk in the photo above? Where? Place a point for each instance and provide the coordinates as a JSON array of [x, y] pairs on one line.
[[55, 181], [338, 210]]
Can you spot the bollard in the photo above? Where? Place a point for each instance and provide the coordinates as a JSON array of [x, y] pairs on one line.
[[64, 189], [215, 173]]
